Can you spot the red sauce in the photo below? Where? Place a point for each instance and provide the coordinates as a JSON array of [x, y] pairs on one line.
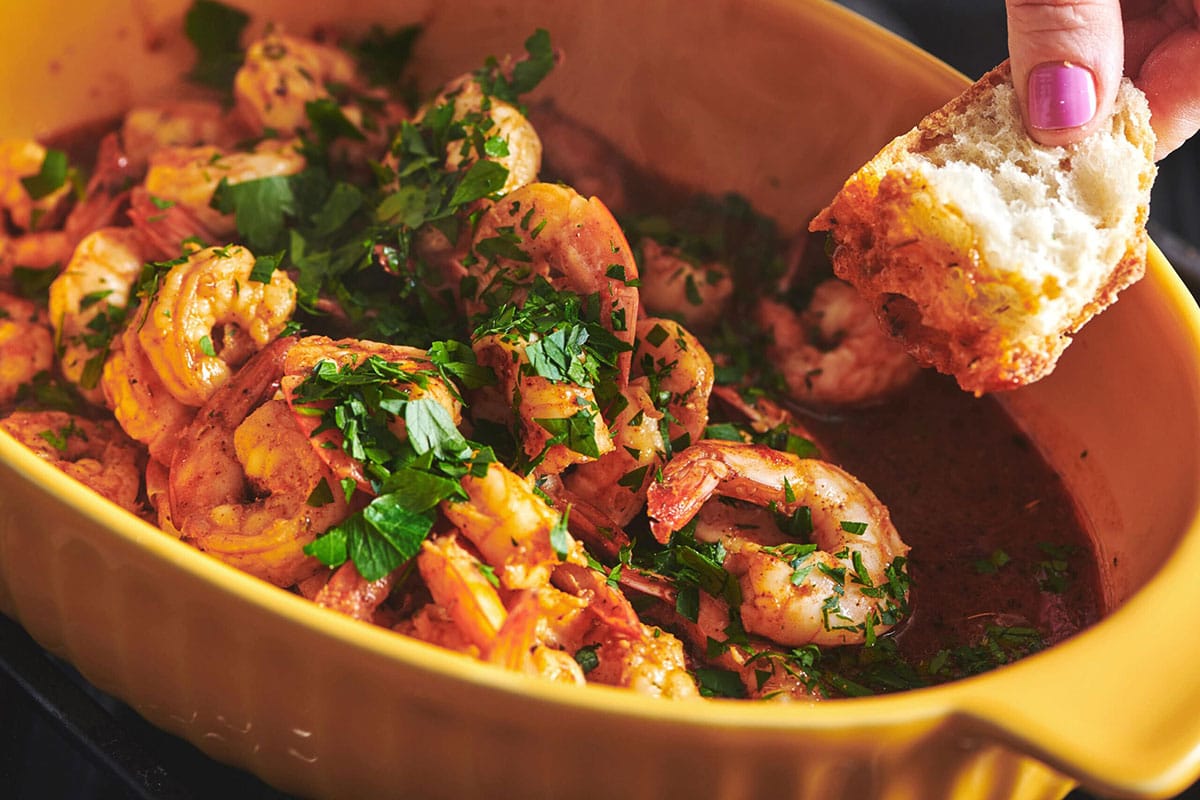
[[996, 539]]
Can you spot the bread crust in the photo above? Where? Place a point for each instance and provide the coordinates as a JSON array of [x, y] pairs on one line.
[[922, 265]]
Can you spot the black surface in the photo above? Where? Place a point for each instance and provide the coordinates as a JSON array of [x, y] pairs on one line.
[[61, 739]]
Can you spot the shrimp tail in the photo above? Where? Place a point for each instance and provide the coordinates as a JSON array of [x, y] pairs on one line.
[[674, 504]]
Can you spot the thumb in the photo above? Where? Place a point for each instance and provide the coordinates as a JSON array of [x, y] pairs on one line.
[[1066, 58]]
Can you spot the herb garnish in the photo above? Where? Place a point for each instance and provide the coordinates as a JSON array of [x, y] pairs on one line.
[[50, 177], [409, 475], [215, 30], [1054, 572]]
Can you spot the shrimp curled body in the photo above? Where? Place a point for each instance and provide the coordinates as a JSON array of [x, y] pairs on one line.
[[570, 240], [575, 245], [209, 316], [26, 344], [845, 590], [98, 278], [242, 478], [95, 453], [835, 353]]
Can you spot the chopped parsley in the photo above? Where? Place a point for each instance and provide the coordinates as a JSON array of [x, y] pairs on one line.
[[426, 189], [410, 475], [993, 563], [692, 566], [50, 177], [215, 31], [1054, 572], [57, 438], [563, 339]]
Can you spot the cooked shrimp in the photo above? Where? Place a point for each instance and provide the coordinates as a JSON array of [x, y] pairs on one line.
[[208, 316], [168, 229], [616, 483], [679, 373], [23, 158], [26, 344], [628, 652], [458, 583], [544, 629], [464, 596], [96, 454], [522, 155], [666, 402], [538, 404], [243, 475], [183, 123], [591, 523], [280, 75], [188, 176], [847, 359], [304, 356], [765, 673], [571, 241], [542, 635], [102, 204], [513, 528], [138, 399], [673, 285], [575, 245], [348, 592], [845, 590], [519, 645], [483, 128], [95, 284]]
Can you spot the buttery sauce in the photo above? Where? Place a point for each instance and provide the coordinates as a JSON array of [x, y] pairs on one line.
[[996, 538]]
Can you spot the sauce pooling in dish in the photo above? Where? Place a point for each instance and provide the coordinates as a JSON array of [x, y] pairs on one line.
[[997, 541]]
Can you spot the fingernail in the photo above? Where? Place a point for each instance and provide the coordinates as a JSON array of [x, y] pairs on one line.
[[1061, 95]]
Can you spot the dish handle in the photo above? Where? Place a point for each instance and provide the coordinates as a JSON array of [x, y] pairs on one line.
[[1117, 708]]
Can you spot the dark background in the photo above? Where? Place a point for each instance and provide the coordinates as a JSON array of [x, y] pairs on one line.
[[61, 739]]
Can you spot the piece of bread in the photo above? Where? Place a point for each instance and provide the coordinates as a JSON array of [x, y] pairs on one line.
[[983, 251]]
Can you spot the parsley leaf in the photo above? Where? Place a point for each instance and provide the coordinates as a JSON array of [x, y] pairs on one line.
[[383, 55], [50, 177], [411, 474], [215, 30], [576, 432], [261, 206]]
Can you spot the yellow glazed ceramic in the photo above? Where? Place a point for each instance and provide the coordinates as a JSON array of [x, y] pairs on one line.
[[777, 100]]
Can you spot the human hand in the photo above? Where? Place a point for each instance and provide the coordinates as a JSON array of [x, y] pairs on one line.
[[1068, 56]]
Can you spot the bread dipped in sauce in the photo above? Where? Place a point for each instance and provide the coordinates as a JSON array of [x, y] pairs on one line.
[[983, 251]]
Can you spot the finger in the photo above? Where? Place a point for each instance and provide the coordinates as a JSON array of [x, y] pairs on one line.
[[1162, 55], [1149, 22], [1066, 58], [1170, 77]]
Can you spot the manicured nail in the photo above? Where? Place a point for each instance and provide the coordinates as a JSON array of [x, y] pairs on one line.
[[1061, 95]]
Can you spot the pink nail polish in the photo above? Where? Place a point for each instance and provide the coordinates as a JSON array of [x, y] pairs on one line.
[[1061, 95]]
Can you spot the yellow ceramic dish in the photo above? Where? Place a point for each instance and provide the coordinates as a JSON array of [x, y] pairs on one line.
[[780, 101]]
